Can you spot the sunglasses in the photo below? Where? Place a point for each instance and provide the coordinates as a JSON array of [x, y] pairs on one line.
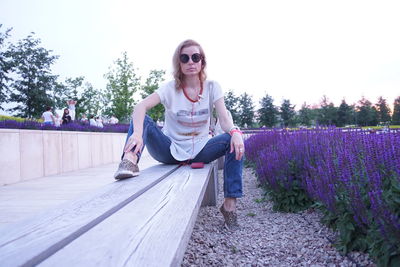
[[184, 58]]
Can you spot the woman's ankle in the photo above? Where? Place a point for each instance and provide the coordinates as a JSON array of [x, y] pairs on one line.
[[131, 157], [230, 204]]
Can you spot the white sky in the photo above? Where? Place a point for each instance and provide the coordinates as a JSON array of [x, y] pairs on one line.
[[296, 50]]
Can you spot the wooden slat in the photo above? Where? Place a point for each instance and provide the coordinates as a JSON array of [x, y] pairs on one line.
[[25, 199], [31, 241], [152, 230]]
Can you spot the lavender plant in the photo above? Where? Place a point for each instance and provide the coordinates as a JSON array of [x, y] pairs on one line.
[[353, 175], [73, 126]]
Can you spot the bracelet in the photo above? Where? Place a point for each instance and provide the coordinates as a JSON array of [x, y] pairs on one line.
[[235, 131], [233, 128]]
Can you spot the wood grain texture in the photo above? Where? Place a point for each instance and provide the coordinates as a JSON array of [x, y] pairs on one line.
[[152, 230], [25, 199], [32, 240]]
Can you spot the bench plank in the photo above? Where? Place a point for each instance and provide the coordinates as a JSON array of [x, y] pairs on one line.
[[152, 230], [33, 240], [27, 198]]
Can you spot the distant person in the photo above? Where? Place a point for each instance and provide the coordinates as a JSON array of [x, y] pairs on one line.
[[57, 120], [84, 119], [99, 122], [66, 118], [71, 107], [113, 120], [92, 121], [48, 117], [185, 135]]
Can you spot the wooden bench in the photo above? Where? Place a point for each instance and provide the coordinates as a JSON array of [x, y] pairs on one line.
[[143, 221]]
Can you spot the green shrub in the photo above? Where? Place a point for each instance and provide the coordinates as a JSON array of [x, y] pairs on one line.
[[4, 117]]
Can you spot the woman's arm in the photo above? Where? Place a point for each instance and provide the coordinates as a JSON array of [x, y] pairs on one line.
[[227, 126], [223, 117], [138, 115]]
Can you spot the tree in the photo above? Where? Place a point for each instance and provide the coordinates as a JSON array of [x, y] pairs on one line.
[[306, 115], [345, 114], [152, 84], [267, 112], [122, 84], [246, 111], [327, 114], [287, 113], [5, 67], [90, 100], [70, 89], [232, 104], [383, 110], [367, 115], [33, 80], [396, 111]]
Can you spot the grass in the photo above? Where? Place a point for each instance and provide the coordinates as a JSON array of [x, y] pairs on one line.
[[259, 200], [380, 127]]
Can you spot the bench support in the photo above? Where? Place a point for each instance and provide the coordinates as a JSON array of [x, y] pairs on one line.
[[211, 194]]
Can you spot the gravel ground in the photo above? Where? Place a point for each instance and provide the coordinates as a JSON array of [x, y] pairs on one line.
[[266, 238]]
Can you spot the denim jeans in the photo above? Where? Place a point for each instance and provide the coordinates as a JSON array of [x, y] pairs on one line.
[[158, 144]]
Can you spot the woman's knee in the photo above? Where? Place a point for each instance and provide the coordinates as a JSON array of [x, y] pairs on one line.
[[148, 119]]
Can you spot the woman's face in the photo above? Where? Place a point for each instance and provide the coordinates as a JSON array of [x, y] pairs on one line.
[[191, 68]]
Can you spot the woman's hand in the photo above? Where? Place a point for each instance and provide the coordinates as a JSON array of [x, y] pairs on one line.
[[237, 145], [134, 141]]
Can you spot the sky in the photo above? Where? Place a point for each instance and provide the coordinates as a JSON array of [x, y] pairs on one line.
[[296, 50]]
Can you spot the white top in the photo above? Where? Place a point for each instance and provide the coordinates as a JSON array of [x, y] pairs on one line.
[[71, 106], [99, 123], [114, 120], [92, 122], [47, 116], [187, 124]]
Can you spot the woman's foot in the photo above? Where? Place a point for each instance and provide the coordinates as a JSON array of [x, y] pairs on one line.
[[228, 210], [126, 169]]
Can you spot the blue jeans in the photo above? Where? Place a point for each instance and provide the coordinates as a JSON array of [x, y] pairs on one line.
[[158, 146]]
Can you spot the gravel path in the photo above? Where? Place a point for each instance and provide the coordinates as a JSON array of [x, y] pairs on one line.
[[266, 238]]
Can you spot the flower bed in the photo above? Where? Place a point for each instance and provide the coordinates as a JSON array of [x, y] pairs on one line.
[[73, 126], [353, 176]]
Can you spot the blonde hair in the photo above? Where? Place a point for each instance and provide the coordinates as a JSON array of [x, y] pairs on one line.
[[176, 63]]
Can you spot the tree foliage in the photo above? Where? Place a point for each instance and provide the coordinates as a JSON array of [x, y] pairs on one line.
[[345, 114], [246, 111], [5, 66], [70, 89], [287, 113], [89, 102], [152, 83], [268, 112], [306, 115], [121, 86], [232, 104], [327, 114], [366, 114], [383, 110], [33, 81], [396, 111]]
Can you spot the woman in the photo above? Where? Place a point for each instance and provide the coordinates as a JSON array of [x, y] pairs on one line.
[[48, 117], [66, 118], [71, 107], [184, 138]]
